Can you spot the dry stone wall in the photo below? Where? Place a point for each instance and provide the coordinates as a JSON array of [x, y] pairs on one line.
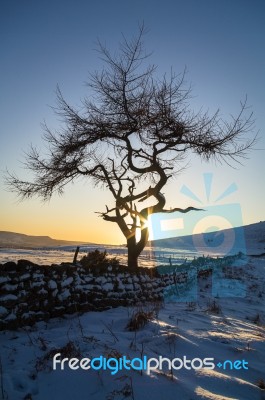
[[31, 293]]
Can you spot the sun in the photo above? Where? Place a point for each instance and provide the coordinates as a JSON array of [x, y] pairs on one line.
[[147, 224]]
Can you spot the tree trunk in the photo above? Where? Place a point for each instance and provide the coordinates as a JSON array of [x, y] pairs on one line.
[[132, 253], [135, 249], [132, 261]]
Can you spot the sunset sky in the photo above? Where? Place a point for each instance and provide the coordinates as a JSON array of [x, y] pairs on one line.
[[45, 43]]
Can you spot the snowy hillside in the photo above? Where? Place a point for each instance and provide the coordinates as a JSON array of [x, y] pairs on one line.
[[18, 240], [249, 239]]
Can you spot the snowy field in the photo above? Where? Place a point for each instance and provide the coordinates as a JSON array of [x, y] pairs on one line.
[[174, 252], [223, 328], [48, 256]]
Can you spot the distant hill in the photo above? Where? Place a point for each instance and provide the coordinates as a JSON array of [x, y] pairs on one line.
[[19, 240], [249, 239]]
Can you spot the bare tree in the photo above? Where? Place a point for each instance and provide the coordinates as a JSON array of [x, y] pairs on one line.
[[132, 138]]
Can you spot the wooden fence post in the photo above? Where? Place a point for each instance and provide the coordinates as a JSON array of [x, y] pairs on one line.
[[76, 254]]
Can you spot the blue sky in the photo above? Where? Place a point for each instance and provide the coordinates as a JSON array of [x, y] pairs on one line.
[[48, 43]]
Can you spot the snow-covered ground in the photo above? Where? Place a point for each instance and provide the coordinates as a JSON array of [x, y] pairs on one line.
[[228, 327], [222, 328], [47, 256]]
